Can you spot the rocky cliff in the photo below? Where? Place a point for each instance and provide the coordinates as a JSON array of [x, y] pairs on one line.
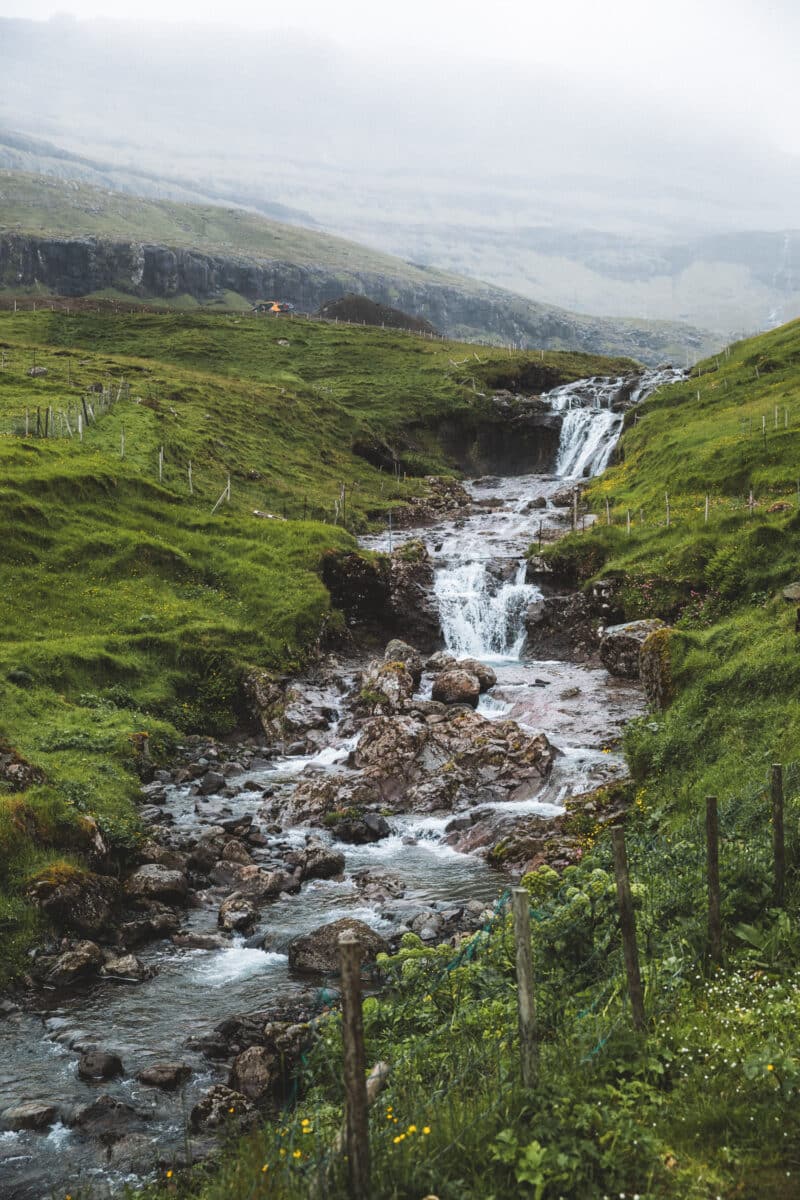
[[81, 266]]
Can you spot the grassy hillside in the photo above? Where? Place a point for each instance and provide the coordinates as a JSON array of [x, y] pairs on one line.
[[733, 429], [703, 1102], [36, 204], [129, 606]]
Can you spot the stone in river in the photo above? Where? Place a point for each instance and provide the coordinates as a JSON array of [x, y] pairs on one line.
[[28, 1116], [456, 687], [99, 1064], [319, 950], [167, 1076], [154, 882]]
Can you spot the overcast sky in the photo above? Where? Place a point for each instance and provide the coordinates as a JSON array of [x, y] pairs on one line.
[[733, 61]]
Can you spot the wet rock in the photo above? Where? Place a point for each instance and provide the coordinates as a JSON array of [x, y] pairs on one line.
[[200, 941], [399, 651], [252, 882], [386, 687], [379, 886], [236, 851], [157, 922], [253, 1073], [168, 1076], [239, 825], [77, 901], [221, 1106], [154, 882], [320, 862], [360, 831], [319, 951], [29, 1116], [237, 913], [173, 860], [620, 646], [82, 961], [484, 674], [212, 781], [564, 628], [99, 1064], [232, 767], [442, 660], [456, 686], [126, 966], [412, 608], [105, 1119]]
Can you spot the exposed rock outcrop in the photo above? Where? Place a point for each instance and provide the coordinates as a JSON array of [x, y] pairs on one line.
[[621, 645]]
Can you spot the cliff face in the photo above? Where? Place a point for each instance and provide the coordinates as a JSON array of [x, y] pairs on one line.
[[79, 266]]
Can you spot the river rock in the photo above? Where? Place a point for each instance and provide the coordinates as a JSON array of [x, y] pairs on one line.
[[236, 851], [620, 646], [200, 941], [412, 608], [399, 651], [158, 921], [252, 882], [221, 1106], [386, 687], [173, 860], [212, 781], [456, 686], [484, 674], [448, 759], [76, 901], [564, 628], [105, 1118], [360, 831], [320, 862], [29, 1116], [99, 1064], [319, 951], [154, 882], [253, 1073], [442, 660], [237, 913], [82, 961], [126, 966], [168, 1076]]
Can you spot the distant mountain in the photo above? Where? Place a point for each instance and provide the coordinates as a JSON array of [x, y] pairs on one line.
[[72, 239]]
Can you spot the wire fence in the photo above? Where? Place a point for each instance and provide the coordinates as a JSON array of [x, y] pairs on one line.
[[444, 1024]]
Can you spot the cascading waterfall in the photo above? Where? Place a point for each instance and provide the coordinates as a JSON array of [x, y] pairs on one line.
[[481, 619], [591, 426]]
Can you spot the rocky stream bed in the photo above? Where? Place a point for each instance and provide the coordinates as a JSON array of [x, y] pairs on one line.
[[392, 791]]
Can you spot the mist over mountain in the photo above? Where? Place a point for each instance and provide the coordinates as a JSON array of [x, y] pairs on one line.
[[546, 181]]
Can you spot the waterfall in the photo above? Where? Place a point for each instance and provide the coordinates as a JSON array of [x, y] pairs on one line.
[[593, 418], [482, 617]]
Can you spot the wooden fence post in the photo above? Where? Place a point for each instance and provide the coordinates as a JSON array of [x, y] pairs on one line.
[[526, 1003], [627, 924], [191, 486], [778, 847], [712, 872], [608, 512], [355, 1065], [705, 516], [666, 497]]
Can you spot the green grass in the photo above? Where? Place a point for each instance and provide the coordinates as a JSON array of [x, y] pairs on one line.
[[127, 605]]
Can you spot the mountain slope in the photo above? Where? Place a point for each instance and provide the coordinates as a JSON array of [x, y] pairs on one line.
[[69, 238]]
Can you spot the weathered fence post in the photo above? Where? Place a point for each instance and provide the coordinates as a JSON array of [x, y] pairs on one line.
[[160, 463], [526, 1004], [627, 924], [778, 847], [705, 515], [191, 486], [355, 1065], [666, 497], [712, 872], [608, 512], [122, 442]]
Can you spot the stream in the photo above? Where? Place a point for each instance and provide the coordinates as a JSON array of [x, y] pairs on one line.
[[482, 597]]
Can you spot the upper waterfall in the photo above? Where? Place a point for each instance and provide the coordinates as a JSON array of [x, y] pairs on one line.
[[593, 413]]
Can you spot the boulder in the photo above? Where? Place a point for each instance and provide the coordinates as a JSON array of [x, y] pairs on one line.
[[106, 1119], [82, 961], [252, 882], [655, 668], [399, 651], [237, 913], [236, 851], [76, 901], [157, 921], [484, 674], [360, 831], [456, 686], [221, 1106], [168, 1076], [320, 862], [386, 687], [319, 951], [99, 1064], [200, 941], [154, 882], [620, 646], [253, 1073], [412, 609], [29, 1116], [442, 660], [212, 781], [126, 966]]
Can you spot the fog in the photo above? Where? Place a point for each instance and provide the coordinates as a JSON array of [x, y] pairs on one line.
[[488, 139]]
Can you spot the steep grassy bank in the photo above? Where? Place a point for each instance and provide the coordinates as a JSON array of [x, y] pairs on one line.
[[126, 604], [704, 1104]]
